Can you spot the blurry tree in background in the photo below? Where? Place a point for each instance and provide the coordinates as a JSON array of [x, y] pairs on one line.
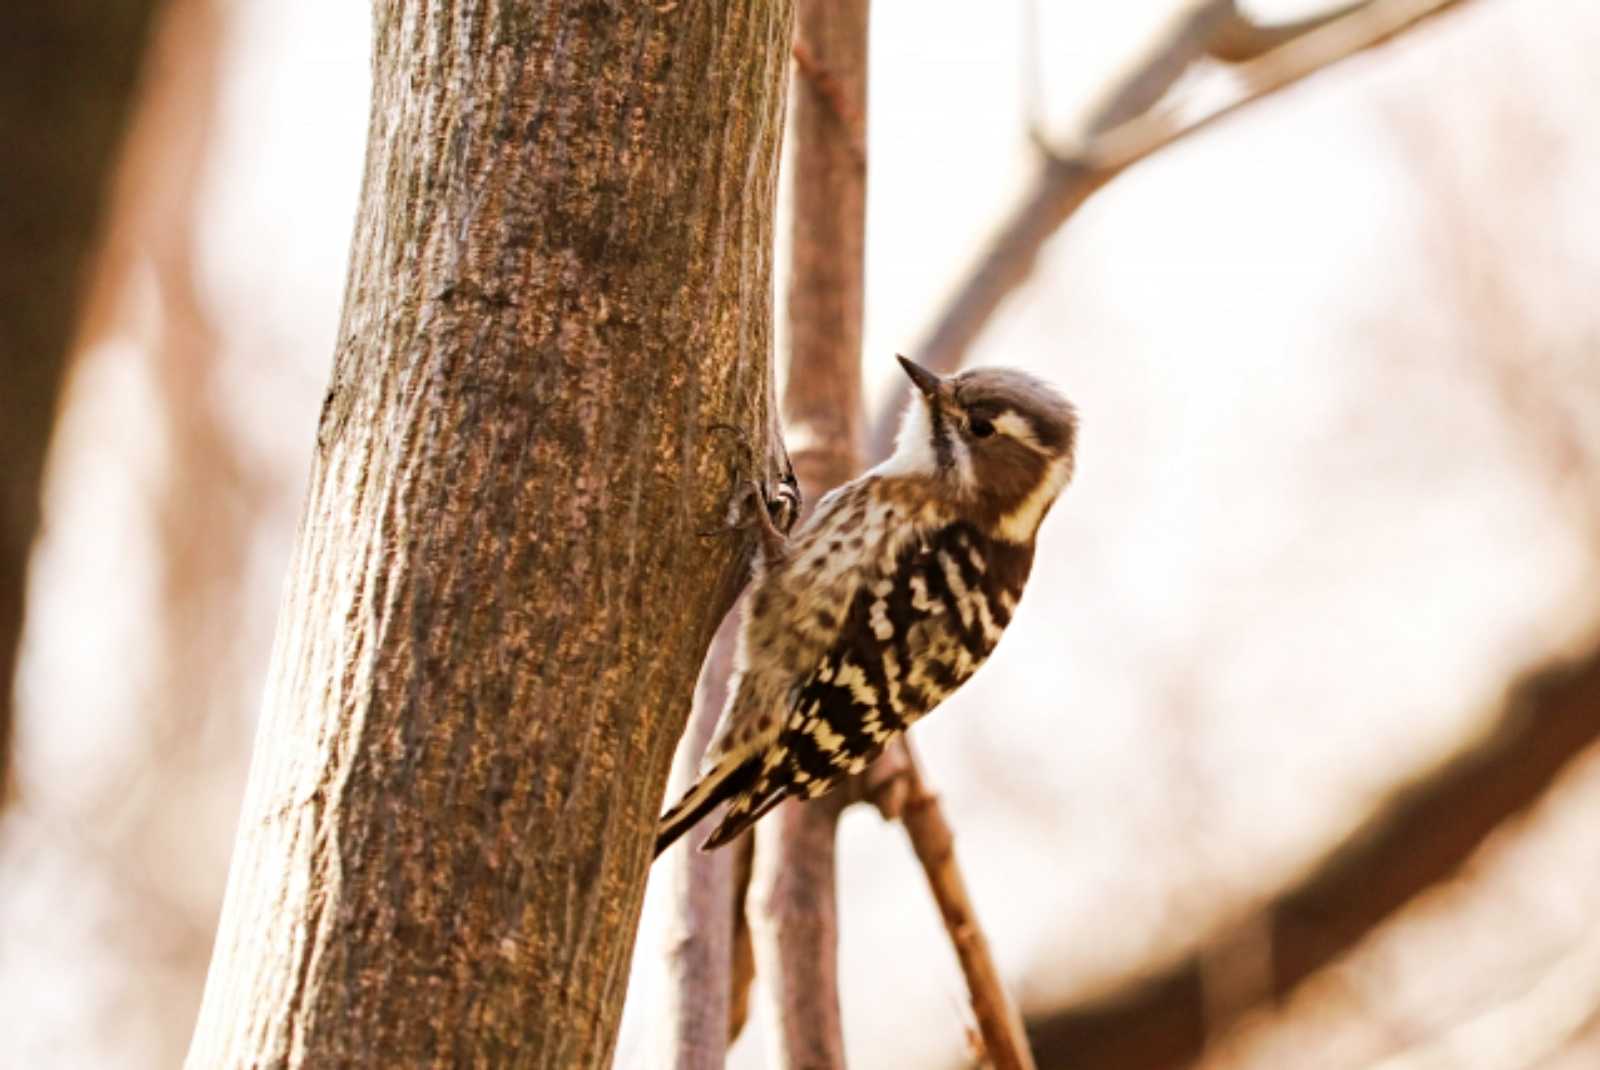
[[115, 800], [67, 77]]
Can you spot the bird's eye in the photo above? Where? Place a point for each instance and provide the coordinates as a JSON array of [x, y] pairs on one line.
[[980, 428]]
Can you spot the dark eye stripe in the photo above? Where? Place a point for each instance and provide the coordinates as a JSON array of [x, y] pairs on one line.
[[941, 437]]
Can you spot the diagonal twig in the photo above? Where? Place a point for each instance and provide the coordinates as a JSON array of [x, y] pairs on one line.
[[1239, 38], [896, 787], [1064, 180]]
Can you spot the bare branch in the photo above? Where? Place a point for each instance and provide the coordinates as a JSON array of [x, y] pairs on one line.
[[1064, 181], [1058, 188], [694, 1026], [794, 925], [828, 89], [1148, 75], [744, 955], [1239, 39], [1317, 49], [902, 792]]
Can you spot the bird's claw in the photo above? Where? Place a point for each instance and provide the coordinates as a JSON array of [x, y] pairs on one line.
[[777, 509]]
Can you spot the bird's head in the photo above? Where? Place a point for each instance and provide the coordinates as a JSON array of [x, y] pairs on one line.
[[998, 441]]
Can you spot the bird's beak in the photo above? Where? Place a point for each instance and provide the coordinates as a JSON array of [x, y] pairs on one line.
[[921, 377]]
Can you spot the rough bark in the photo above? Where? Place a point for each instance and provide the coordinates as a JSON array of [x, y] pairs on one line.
[[1425, 835], [67, 77], [499, 599], [792, 904]]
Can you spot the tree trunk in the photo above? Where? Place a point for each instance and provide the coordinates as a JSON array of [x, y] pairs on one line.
[[67, 75], [499, 599]]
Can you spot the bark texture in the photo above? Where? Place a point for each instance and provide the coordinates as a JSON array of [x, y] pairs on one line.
[[499, 599], [67, 76]]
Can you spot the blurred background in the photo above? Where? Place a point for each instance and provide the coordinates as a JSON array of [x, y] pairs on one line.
[[1290, 757]]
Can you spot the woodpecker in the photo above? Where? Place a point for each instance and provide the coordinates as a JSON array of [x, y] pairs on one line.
[[889, 596]]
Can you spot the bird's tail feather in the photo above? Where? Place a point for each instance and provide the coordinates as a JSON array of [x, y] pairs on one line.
[[745, 812], [732, 777]]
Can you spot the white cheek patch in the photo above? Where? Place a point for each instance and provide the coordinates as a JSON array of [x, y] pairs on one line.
[[913, 446], [1021, 523], [1017, 427]]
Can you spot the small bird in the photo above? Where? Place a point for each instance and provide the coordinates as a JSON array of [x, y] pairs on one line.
[[888, 598]]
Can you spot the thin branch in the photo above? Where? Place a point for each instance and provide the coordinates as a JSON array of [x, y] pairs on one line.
[[794, 927], [1058, 188], [832, 93], [1240, 39], [1064, 181], [1315, 50], [791, 890], [899, 791], [694, 1027], [744, 956], [1148, 75]]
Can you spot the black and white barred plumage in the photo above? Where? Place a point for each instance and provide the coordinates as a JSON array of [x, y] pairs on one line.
[[888, 598]]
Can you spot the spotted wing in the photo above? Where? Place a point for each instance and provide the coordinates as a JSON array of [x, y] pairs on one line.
[[909, 638]]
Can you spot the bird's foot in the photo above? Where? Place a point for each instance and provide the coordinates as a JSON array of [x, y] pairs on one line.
[[773, 508]]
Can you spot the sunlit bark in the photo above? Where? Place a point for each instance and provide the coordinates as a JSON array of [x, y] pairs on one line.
[[500, 597]]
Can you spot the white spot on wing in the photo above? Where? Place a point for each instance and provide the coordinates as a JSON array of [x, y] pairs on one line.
[[891, 679], [861, 691], [878, 616], [991, 630], [958, 587], [828, 741]]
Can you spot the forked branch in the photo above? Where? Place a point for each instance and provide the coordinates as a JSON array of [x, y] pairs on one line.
[[1126, 129]]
